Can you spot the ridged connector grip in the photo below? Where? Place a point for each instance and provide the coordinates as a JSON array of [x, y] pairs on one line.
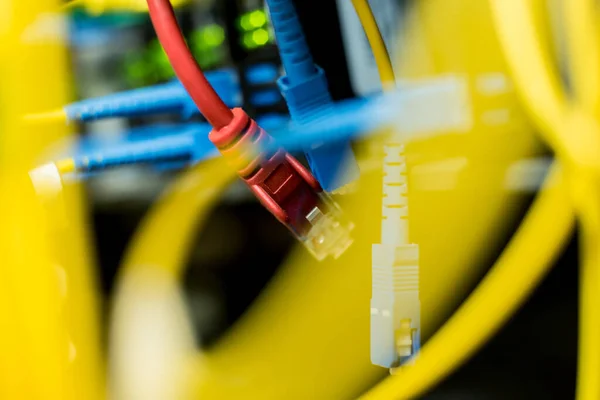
[[293, 49]]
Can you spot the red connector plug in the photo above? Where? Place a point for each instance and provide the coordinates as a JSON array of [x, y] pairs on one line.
[[283, 186]]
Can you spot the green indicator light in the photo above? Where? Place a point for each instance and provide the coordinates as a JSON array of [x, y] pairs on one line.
[[248, 41], [213, 35], [245, 23], [254, 39], [260, 37], [253, 20], [257, 18], [207, 38]]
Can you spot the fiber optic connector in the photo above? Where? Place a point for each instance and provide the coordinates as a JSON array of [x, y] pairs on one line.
[[165, 98], [395, 304], [306, 92]]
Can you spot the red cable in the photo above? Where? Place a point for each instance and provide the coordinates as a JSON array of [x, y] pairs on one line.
[[186, 68]]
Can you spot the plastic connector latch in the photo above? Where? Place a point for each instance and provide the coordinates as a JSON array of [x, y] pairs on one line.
[[395, 304], [334, 165], [284, 187]]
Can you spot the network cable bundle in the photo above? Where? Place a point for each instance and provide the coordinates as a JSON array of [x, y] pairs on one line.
[[430, 158]]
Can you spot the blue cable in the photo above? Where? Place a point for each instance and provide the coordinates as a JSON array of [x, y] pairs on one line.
[[345, 121], [165, 98], [167, 147], [306, 92], [295, 54]]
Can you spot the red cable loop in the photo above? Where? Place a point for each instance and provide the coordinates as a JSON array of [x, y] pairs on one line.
[[186, 68]]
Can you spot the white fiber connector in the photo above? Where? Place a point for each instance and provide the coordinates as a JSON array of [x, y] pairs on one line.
[[47, 180], [395, 304]]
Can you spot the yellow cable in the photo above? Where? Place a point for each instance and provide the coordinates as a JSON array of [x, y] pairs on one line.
[[50, 341], [580, 135], [66, 166], [539, 85], [382, 57], [584, 62], [583, 48], [160, 249], [72, 4], [586, 199], [181, 210], [583, 51], [574, 135], [46, 117]]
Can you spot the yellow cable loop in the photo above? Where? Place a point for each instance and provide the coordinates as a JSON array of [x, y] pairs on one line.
[[179, 213], [583, 46], [572, 132], [382, 57], [158, 251]]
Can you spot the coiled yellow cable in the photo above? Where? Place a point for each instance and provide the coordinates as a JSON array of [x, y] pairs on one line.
[[572, 131], [583, 46]]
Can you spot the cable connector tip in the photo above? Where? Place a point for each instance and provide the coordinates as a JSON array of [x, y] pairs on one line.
[[46, 117]]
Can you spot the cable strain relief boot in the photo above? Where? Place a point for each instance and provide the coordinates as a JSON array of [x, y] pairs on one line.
[[293, 48], [395, 304], [334, 165]]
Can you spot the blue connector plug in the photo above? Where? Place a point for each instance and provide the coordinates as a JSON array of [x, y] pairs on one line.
[[306, 92], [165, 98]]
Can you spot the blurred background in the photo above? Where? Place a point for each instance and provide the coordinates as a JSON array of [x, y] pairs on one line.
[[237, 256]]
